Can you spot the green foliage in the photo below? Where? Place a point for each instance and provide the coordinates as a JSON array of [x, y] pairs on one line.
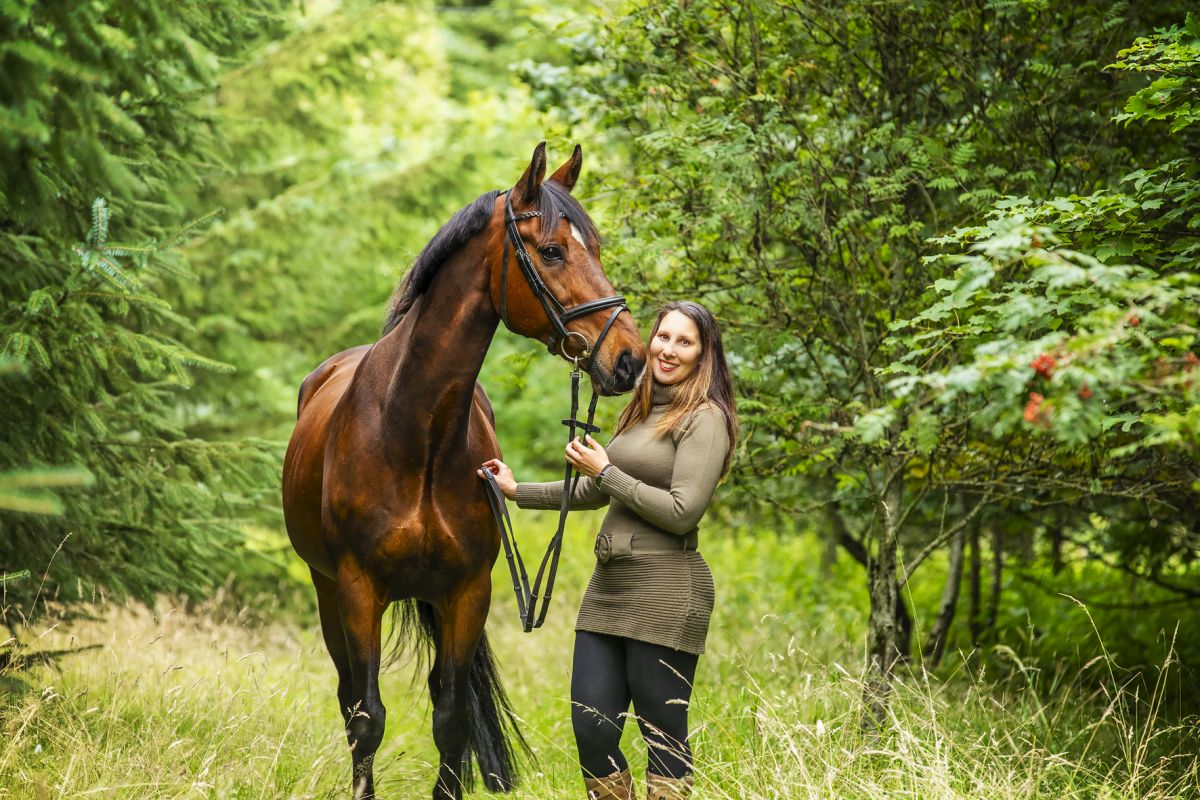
[[98, 100], [14, 576], [790, 161], [794, 166], [97, 388], [25, 490], [1095, 349], [31, 490], [1065, 336], [1175, 53]]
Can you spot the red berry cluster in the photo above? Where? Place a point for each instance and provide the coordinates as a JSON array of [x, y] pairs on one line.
[[1044, 365], [1034, 413]]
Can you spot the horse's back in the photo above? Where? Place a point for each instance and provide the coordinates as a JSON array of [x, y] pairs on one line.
[[341, 365]]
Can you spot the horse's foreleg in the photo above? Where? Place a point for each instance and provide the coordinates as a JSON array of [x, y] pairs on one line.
[[361, 602], [335, 638], [458, 636]]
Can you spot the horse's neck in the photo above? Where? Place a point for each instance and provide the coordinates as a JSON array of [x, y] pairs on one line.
[[436, 353]]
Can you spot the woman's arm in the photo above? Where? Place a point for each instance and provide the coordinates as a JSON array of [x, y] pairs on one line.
[[549, 495], [699, 457], [543, 495]]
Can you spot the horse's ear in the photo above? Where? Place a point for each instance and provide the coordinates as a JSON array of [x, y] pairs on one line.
[[568, 173], [526, 191]]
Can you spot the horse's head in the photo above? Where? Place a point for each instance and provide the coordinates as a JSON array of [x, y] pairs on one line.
[[560, 295]]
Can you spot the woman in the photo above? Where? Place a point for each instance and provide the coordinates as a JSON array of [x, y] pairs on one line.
[[644, 616]]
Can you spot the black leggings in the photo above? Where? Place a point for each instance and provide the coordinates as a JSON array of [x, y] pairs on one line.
[[608, 672]]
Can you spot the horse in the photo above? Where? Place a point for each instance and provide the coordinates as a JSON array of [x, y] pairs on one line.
[[381, 496]]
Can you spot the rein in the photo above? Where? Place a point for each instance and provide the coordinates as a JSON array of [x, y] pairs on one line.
[[533, 615], [528, 594]]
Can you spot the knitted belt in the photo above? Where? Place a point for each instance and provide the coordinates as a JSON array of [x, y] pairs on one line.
[[610, 546]]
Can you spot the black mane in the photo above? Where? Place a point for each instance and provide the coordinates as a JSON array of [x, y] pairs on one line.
[[553, 200]]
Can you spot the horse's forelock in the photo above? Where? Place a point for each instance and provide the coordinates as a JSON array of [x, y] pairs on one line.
[[554, 201]]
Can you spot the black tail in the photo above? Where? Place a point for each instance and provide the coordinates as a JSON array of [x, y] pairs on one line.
[[494, 728]]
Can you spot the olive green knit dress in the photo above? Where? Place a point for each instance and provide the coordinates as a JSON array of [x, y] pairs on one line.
[[656, 587]]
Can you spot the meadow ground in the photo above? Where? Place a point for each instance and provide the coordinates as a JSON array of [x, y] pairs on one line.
[[174, 703]]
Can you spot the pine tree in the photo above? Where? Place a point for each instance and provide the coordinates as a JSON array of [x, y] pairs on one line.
[[100, 100]]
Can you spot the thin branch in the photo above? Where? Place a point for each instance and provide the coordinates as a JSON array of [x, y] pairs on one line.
[[944, 537]]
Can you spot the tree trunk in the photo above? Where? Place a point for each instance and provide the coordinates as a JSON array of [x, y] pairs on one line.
[[883, 639], [935, 644], [997, 576], [1056, 545], [904, 629], [830, 541], [841, 535], [974, 582]]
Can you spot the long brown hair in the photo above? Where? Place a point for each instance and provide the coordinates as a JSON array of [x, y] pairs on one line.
[[709, 382]]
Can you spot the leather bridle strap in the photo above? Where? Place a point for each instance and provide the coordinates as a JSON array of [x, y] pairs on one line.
[[570, 480], [556, 313], [509, 538]]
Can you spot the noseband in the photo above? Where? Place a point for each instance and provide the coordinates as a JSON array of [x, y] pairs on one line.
[[556, 312]]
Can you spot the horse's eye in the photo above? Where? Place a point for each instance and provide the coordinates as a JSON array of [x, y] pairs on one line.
[[552, 252]]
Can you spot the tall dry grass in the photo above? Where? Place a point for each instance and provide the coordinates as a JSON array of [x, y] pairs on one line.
[[176, 704]]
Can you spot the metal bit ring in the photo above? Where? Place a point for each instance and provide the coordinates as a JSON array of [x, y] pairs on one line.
[[586, 350]]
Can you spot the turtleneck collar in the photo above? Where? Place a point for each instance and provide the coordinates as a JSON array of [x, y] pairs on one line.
[[663, 394]]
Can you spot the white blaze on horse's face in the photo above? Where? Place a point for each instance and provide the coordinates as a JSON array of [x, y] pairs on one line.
[[360, 787], [575, 234]]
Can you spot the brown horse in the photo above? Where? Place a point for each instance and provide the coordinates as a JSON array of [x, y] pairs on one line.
[[380, 492]]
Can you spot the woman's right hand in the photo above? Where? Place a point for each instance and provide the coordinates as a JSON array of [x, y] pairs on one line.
[[504, 476]]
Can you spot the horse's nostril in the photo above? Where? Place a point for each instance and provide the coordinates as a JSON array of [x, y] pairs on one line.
[[626, 370]]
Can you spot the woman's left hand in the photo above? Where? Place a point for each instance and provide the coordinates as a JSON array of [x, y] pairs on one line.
[[589, 458]]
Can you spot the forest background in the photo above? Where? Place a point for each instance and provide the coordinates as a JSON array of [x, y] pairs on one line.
[[953, 250]]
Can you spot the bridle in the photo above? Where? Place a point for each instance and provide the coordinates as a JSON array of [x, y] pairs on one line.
[[559, 316]]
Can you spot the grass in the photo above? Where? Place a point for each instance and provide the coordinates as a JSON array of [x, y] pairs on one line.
[[176, 704]]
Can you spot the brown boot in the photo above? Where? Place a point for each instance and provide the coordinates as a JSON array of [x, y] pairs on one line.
[[660, 787], [618, 786]]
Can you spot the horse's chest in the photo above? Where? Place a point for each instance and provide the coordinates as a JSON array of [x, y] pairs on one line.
[[417, 515]]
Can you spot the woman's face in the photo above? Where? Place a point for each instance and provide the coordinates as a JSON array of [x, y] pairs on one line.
[[675, 348]]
